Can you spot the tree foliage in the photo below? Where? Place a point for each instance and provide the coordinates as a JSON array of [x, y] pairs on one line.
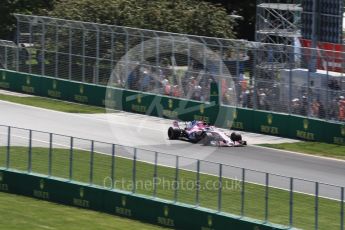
[[180, 16], [8, 7], [189, 16], [247, 9]]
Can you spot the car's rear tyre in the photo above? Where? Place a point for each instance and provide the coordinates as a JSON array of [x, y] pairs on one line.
[[174, 133], [236, 137], [207, 139]]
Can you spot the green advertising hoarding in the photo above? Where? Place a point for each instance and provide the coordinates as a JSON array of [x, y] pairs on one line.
[[20, 82], [169, 108], [235, 118], [137, 102], [112, 98], [335, 133], [307, 129], [4, 80], [155, 211], [271, 123], [58, 89]]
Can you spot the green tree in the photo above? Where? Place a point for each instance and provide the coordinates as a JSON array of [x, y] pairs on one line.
[[8, 7], [245, 28], [180, 16]]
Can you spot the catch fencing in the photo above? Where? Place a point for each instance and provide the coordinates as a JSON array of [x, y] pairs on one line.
[[261, 76], [219, 187]]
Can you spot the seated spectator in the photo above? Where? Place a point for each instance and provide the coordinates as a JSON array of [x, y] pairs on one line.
[[315, 107], [197, 93], [167, 87], [176, 91], [145, 81], [322, 112], [295, 106], [304, 106]]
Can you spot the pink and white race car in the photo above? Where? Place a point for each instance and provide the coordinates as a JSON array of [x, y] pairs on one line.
[[200, 132]]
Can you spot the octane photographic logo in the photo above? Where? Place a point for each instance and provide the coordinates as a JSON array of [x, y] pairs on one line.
[[153, 87]]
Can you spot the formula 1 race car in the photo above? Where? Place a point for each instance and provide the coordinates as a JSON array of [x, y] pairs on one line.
[[200, 132]]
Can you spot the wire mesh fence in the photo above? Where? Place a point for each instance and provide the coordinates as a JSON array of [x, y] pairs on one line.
[[224, 188], [281, 78]]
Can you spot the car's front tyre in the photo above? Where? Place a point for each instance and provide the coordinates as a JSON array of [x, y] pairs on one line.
[[236, 137], [174, 133]]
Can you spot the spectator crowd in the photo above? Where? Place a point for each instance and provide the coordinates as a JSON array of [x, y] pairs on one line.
[[194, 83]]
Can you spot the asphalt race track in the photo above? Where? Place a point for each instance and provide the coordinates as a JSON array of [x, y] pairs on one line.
[[150, 133]]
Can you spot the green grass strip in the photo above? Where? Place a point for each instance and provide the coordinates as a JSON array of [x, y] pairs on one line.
[[18, 212], [53, 104], [313, 148], [254, 205]]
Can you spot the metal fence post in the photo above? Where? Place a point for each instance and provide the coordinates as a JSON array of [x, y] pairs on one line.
[[291, 203], [327, 96], [70, 53], [342, 208], [96, 80], [6, 57], [188, 55], [308, 96], [83, 58], [266, 195], [197, 200], [290, 90], [155, 176], [243, 190], [91, 162], [30, 152], [134, 173], [126, 55], [50, 154], [112, 166], [43, 49], [71, 159], [8, 147], [176, 184], [316, 205], [56, 72], [112, 42], [157, 47], [142, 52], [254, 79], [220, 184], [237, 66], [17, 50]]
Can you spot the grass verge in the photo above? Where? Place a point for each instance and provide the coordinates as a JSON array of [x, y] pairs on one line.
[[20, 212], [312, 148], [254, 202], [53, 104]]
